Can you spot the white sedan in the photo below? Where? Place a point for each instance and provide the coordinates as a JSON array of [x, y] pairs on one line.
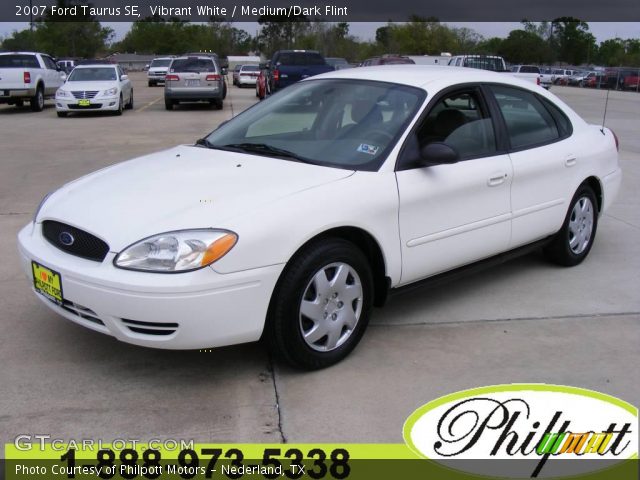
[[95, 88], [295, 218]]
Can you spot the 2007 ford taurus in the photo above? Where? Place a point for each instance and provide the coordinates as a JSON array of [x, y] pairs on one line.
[[297, 216]]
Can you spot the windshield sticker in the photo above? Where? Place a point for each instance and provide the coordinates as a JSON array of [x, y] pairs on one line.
[[370, 149]]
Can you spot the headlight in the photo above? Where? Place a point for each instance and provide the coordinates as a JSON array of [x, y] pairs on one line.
[[110, 92], [62, 93], [42, 202], [179, 251]]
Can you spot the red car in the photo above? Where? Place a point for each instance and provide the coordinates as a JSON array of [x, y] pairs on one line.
[[262, 85], [631, 82]]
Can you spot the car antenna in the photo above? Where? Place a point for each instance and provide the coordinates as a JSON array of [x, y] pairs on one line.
[[604, 115]]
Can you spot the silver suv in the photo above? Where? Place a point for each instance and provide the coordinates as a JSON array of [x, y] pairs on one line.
[[193, 79]]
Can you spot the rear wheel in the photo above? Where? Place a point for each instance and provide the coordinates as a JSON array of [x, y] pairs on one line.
[[572, 243], [151, 84], [37, 101], [321, 305], [168, 104]]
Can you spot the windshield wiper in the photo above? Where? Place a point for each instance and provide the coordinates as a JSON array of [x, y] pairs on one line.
[[268, 150], [203, 142]]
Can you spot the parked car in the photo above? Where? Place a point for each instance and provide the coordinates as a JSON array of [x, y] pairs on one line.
[[235, 73], [632, 81], [546, 76], [337, 63], [531, 73], [248, 75], [66, 65], [193, 79], [93, 88], [595, 80], [387, 60], [561, 76], [262, 83], [578, 78], [223, 65], [490, 167], [290, 66], [28, 76], [157, 70]]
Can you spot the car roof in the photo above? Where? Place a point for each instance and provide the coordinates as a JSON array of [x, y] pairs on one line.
[[422, 75]]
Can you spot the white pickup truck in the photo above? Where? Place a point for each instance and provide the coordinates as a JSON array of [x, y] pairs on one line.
[[496, 63], [28, 76]]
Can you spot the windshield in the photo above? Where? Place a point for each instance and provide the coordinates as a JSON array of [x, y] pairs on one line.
[[343, 123], [98, 74], [494, 64], [161, 63], [193, 65]]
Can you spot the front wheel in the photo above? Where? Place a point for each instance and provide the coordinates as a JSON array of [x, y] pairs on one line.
[[572, 243], [129, 105], [120, 106], [321, 305]]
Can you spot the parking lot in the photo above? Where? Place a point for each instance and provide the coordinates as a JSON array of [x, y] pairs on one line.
[[524, 321]]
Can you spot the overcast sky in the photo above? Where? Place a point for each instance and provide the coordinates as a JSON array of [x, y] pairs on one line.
[[367, 30]]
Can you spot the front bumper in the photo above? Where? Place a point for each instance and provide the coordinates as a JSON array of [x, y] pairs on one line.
[[192, 310], [70, 104]]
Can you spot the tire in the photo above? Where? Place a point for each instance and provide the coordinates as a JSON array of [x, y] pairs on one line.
[[151, 84], [37, 101], [218, 104], [168, 104], [306, 289], [120, 106], [62, 114], [129, 105], [572, 243]]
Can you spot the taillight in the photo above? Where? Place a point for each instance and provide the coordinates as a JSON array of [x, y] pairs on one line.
[[212, 77], [276, 75], [171, 78], [617, 141], [27, 77]]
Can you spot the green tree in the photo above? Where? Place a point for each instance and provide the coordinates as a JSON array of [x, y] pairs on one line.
[[575, 44], [522, 46]]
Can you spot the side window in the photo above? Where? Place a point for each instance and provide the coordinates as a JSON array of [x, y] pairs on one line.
[[458, 62], [562, 121], [461, 121], [49, 63], [528, 122]]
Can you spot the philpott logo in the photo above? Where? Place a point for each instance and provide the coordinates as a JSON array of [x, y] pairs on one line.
[[532, 423]]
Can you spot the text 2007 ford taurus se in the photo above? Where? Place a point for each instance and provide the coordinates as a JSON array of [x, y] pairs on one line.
[[298, 215]]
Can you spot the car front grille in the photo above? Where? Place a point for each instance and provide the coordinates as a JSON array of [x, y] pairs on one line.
[[74, 241], [150, 328], [85, 94], [93, 106]]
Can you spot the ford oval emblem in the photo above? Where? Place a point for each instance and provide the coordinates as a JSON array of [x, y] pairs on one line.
[[66, 239]]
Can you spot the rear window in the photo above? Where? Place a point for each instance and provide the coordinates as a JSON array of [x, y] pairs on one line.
[[161, 63], [484, 63], [193, 65], [251, 68], [529, 69], [19, 61], [397, 61], [300, 58]]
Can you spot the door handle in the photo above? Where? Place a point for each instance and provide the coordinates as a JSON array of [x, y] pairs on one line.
[[570, 162], [497, 180]]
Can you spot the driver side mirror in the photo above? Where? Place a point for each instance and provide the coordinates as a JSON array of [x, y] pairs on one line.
[[438, 153], [223, 70], [124, 77]]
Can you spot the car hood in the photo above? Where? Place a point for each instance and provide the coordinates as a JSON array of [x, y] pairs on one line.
[[90, 86], [182, 188]]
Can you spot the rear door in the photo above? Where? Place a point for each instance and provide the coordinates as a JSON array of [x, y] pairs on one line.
[[543, 158], [52, 77]]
